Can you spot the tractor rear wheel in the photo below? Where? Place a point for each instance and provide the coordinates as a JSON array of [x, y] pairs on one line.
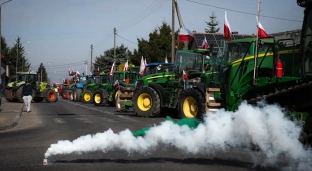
[[50, 96], [191, 104], [87, 96], [19, 94], [76, 94], [9, 94], [146, 102]]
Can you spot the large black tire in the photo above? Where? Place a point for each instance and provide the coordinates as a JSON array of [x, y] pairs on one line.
[[9, 94], [50, 95], [87, 96], [146, 102], [19, 94], [76, 94], [192, 104]]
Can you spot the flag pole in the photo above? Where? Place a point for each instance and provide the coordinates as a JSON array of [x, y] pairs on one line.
[[256, 48]]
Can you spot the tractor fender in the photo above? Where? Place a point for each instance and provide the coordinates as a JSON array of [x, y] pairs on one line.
[[200, 87], [162, 94], [104, 93]]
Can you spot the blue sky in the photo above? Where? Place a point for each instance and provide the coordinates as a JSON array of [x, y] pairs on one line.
[[62, 31]]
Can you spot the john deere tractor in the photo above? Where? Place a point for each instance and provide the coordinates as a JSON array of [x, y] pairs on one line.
[[108, 93], [100, 82], [157, 72], [80, 87], [41, 90]]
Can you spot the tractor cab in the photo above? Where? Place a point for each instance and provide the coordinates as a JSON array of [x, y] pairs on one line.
[[31, 77]]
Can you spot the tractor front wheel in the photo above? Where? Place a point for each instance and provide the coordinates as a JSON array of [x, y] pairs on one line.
[[146, 102], [19, 94], [70, 94], [192, 104], [9, 94], [98, 98], [87, 96]]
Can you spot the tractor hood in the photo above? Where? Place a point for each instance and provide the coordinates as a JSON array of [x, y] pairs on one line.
[[158, 78]]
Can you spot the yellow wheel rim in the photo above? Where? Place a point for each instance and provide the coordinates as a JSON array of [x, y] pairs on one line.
[[116, 94], [87, 97], [97, 98], [144, 102], [190, 108]]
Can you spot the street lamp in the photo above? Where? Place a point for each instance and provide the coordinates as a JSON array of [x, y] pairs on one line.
[[24, 62], [17, 58], [1, 38]]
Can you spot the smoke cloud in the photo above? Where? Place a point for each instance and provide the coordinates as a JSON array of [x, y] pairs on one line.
[[265, 126]]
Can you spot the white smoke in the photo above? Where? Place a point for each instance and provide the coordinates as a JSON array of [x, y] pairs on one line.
[[266, 127]]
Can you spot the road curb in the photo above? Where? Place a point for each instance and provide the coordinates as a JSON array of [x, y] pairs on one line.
[[12, 125]]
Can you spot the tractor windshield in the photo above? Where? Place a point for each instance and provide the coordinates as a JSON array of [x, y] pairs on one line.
[[118, 76], [189, 61], [234, 51], [104, 79]]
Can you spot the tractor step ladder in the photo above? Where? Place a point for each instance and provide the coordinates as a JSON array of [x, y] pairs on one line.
[[212, 104]]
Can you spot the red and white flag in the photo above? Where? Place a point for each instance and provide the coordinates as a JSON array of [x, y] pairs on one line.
[[68, 71], [261, 31], [126, 66], [227, 29], [184, 75], [142, 66], [77, 74], [99, 71], [72, 71], [205, 43], [112, 70], [185, 35]]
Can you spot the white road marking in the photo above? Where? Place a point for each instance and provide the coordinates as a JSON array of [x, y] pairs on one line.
[[85, 120], [99, 110], [59, 120]]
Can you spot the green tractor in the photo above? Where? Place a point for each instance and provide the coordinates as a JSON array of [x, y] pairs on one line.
[[157, 72], [108, 93], [101, 81], [41, 90], [80, 87]]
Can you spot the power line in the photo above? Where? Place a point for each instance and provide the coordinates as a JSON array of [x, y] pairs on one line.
[[242, 11], [127, 39], [155, 8], [104, 39]]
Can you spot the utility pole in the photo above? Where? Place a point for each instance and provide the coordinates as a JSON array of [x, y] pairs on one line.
[[41, 73], [91, 59], [172, 33], [255, 81], [86, 62], [115, 32]]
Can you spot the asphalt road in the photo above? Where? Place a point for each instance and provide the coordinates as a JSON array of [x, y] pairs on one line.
[[23, 147]]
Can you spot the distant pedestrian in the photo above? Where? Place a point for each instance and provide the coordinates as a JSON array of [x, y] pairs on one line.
[[27, 93], [1, 89]]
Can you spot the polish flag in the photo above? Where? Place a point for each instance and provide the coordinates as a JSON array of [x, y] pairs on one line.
[[68, 71], [184, 75], [126, 66], [227, 29], [116, 83], [205, 43], [185, 35], [98, 71], [112, 70], [72, 70], [166, 60], [142, 66], [77, 74], [261, 31]]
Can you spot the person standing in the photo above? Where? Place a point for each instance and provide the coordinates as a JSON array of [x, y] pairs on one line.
[[1, 89], [27, 92]]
